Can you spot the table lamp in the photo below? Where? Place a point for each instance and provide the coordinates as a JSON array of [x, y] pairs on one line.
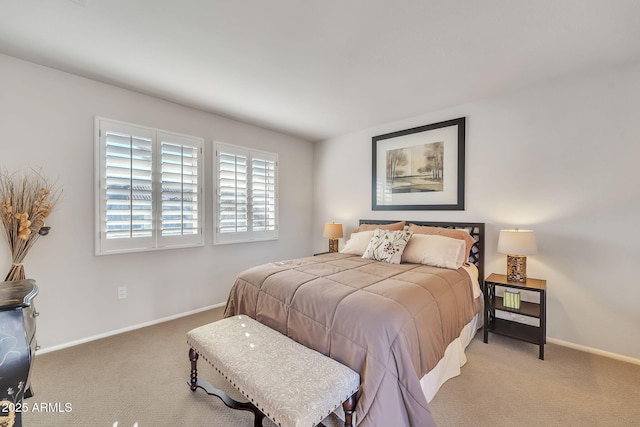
[[517, 244], [333, 231]]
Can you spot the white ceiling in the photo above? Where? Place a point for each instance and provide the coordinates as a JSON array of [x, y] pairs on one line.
[[318, 69]]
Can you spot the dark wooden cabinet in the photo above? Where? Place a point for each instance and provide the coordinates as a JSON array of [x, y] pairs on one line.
[[17, 347], [512, 328]]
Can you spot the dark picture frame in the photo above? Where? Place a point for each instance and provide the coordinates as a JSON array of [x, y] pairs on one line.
[[421, 168]]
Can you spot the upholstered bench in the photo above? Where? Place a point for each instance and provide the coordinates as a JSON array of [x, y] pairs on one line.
[[289, 383]]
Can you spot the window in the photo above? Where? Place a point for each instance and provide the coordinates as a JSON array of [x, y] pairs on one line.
[[149, 189], [246, 195]]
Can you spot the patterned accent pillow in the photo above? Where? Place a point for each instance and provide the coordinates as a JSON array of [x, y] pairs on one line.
[[387, 245]]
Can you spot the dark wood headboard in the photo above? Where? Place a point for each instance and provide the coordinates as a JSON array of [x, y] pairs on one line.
[[476, 229]]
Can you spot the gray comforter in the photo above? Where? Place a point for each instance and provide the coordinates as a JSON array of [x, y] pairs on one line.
[[391, 323]]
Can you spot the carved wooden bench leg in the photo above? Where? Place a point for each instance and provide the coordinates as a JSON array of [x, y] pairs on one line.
[[195, 383], [193, 357], [349, 407]]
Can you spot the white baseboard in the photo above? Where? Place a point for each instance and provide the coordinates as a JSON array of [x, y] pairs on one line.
[[211, 307], [595, 351], [127, 329]]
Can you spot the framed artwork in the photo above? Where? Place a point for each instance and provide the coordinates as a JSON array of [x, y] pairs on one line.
[[420, 168]]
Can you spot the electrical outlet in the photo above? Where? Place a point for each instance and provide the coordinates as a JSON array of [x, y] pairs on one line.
[[122, 292]]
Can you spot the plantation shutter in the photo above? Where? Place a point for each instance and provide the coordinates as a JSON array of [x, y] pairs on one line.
[[233, 214], [149, 189], [263, 193], [179, 179], [127, 186], [246, 195]]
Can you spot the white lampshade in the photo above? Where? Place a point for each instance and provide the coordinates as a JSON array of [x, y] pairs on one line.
[[333, 230], [517, 242]]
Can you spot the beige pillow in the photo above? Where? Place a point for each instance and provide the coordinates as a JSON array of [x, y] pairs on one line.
[[393, 226], [357, 243], [447, 232], [435, 250]]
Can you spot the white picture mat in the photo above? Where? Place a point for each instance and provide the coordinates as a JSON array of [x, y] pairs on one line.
[[449, 196]]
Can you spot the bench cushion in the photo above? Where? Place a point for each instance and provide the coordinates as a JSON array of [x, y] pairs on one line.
[[290, 383]]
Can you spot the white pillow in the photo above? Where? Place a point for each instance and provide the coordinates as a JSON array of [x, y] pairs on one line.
[[435, 250], [357, 243], [387, 245]]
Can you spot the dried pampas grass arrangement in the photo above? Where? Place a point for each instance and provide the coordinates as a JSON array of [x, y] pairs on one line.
[[27, 200]]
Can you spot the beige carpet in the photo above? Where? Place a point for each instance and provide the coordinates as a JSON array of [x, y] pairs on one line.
[[141, 377], [505, 384]]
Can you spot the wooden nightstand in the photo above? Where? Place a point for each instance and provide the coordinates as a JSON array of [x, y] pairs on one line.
[[511, 328]]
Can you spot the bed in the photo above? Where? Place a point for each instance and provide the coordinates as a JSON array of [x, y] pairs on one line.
[[403, 326]]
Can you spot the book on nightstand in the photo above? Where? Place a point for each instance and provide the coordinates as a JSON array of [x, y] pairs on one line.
[[511, 299]]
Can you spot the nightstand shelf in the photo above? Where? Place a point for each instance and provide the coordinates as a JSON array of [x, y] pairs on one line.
[[512, 328], [526, 308], [516, 330]]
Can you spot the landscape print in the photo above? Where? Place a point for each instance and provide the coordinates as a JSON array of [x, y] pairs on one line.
[[416, 169]]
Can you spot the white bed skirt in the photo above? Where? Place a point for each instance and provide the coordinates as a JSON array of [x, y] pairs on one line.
[[454, 358]]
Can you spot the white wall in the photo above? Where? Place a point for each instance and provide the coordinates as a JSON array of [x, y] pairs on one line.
[[560, 158], [47, 120]]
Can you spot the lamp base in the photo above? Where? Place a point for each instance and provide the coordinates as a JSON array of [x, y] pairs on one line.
[[333, 245], [516, 268]]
